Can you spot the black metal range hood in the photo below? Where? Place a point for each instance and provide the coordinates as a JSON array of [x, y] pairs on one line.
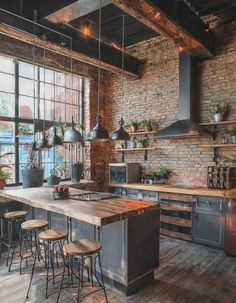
[[186, 126]]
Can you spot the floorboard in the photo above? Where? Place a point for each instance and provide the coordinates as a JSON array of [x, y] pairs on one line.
[[188, 273]]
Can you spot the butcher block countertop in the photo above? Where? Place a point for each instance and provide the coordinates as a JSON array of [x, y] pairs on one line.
[[195, 191], [94, 212]]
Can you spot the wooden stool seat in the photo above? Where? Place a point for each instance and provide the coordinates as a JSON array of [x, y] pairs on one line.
[[34, 224], [53, 235], [83, 247], [15, 214]]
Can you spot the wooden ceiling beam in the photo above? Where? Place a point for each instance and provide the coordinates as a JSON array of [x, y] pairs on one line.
[[84, 48], [175, 20]]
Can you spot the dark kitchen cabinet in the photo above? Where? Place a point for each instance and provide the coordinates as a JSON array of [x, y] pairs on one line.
[[209, 221]]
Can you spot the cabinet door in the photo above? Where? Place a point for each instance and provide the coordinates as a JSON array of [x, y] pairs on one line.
[[208, 228]]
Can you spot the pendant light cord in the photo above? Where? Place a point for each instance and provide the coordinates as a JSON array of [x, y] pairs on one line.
[[122, 66], [99, 55], [34, 61], [44, 78]]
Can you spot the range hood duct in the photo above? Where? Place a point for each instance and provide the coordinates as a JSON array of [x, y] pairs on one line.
[[186, 126]]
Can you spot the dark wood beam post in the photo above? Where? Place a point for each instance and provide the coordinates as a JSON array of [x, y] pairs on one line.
[[175, 20]]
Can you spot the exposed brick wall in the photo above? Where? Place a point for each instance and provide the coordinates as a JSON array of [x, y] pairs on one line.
[[155, 96]]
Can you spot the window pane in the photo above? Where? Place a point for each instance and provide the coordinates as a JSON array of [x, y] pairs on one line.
[[59, 110], [7, 105], [28, 70], [49, 110], [8, 160], [46, 91], [26, 107], [75, 97], [25, 132], [49, 76], [7, 65], [26, 87], [60, 79], [60, 94], [76, 83], [7, 83], [68, 81], [7, 130]]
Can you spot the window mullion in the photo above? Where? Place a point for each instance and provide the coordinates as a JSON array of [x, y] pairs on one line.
[[17, 168]]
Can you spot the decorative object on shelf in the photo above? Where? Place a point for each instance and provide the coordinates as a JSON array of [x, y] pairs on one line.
[[160, 176], [131, 143], [134, 124], [142, 142], [221, 177], [147, 124], [77, 170], [60, 193], [4, 175], [120, 133], [55, 174], [32, 174], [232, 132], [98, 132], [164, 173], [220, 111]]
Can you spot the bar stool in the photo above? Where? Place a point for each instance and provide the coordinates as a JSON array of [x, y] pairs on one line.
[[14, 220], [83, 251], [49, 239], [29, 245]]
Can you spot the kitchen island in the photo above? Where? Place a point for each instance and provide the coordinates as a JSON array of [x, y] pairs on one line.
[[128, 230]]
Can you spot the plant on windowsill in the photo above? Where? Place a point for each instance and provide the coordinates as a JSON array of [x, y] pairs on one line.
[[55, 174], [142, 142], [147, 124], [32, 173], [24, 130], [4, 175], [220, 111], [232, 132]]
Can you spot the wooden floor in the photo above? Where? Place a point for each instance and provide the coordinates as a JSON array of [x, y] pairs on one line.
[[188, 273]]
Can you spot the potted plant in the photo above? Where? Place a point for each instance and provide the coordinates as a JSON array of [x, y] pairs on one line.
[[163, 174], [142, 142], [232, 132], [134, 126], [55, 174], [4, 175], [32, 174], [220, 111], [147, 124], [131, 143], [77, 170]]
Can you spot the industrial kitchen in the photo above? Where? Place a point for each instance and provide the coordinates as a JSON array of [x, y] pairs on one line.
[[117, 151]]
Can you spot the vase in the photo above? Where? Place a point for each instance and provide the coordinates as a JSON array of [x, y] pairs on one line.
[[233, 139], [76, 172], [218, 117], [32, 177], [53, 180]]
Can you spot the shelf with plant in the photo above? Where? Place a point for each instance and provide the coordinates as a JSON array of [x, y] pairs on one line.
[[161, 176], [220, 110]]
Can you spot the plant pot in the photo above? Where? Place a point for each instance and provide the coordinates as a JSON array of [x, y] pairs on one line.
[[76, 172], [2, 184], [233, 138], [53, 180], [133, 128], [162, 180], [32, 177], [140, 145], [131, 144], [148, 128], [218, 117]]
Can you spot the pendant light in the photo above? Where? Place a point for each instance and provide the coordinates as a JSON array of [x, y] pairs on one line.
[[120, 134], [98, 132], [43, 143], [72, 135]]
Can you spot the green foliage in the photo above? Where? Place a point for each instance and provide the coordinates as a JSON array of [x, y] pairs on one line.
[[142, 140], [135, 123], [57, 170], [163, 173], [4, 175], [147, 122], [232, 131], [24, 130], [31, 156], [221, 108], [80, 126], [4, 108]]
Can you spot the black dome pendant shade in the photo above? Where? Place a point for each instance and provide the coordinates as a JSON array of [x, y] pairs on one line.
[[120, 134], [98, 132], [54, 140], [72, 135]]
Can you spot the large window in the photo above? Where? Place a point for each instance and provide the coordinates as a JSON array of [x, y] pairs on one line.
[[29, 95]]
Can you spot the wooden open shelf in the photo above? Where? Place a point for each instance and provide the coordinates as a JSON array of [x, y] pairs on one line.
[[217, 145], [117, 150], [218, 123], [152, 132]]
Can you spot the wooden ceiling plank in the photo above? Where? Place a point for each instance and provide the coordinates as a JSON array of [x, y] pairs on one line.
[[175, 20]]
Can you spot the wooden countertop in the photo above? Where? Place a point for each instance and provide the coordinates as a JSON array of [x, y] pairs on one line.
[[94, 212], [195, 191]]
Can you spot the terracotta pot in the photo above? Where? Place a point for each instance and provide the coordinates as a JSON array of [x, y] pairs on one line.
[[133, 128], [2, 184], [147, 128]]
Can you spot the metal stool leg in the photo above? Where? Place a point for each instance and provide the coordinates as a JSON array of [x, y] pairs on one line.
[[1, 235], [103, 284], [9, 240], [31, 278]]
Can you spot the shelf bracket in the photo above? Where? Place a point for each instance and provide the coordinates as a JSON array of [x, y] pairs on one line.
[[214, 154], [214, 132], [123, 157], [145, 155]]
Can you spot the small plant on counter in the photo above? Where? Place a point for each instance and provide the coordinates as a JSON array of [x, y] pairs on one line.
[[232, 132], [220, 111], [164, 173], [55, 174], [142, 142], [147, 124]]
